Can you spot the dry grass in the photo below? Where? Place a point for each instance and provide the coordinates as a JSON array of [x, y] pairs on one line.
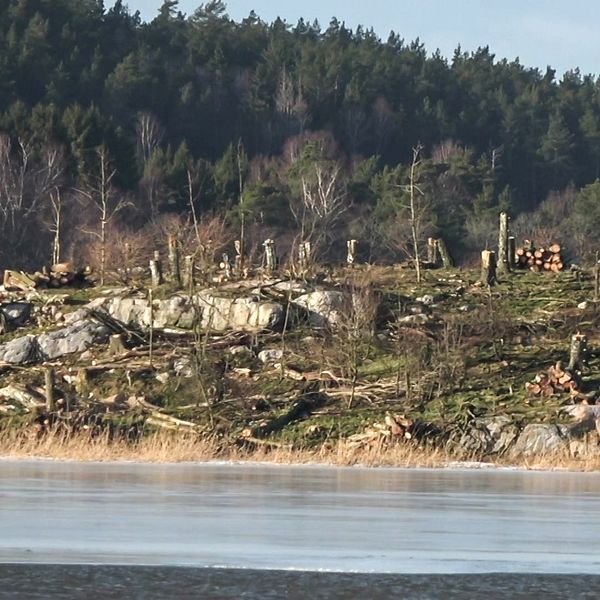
[[169, 447]]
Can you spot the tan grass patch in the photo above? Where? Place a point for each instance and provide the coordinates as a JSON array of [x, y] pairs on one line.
[[175, 447]]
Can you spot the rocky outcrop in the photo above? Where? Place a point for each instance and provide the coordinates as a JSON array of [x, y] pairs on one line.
[[211, 311], [77, 337], [324, 307], [19, 351], [491, 436], [541, 439]]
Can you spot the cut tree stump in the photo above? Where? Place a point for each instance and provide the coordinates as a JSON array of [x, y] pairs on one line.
[[504, 265], [488, 267], [447, 260], [577, 356], [116, 345]]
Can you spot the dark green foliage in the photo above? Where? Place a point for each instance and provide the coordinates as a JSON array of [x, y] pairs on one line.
[[495, 133]]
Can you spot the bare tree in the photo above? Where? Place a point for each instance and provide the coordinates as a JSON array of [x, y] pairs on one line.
[[415, 213], [103, 196], [25, 186], [56, 223], [320, 181], [416, 207], [149, 135]]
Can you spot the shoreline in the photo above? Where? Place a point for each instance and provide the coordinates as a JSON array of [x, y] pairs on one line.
[[168, 450]]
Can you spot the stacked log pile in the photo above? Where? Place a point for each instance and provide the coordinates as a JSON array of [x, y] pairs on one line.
[[57, 276], [540, 259], [555, 380]]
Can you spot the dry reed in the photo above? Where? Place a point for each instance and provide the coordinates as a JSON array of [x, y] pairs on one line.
[[169, 447]]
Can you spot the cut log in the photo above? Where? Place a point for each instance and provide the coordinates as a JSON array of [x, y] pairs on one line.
[[14, 280], [555, 248]]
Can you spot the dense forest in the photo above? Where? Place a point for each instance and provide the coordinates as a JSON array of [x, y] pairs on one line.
[[116, 129]]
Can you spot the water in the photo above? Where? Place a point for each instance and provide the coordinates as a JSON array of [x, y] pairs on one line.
[[271, 531]]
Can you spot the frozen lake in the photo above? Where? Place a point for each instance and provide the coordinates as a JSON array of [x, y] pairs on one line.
[[302, 518]]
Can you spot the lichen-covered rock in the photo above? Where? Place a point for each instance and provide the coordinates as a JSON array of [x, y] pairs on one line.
[[324, 307], [541, 439], [77, 337], [74, 338], [131, 311], [239, 313], [489, 436], [19, 351], [211, 311]]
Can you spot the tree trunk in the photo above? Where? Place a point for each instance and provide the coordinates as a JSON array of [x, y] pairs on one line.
[[102, 248], [447, 260], [503, 258], [597, 278], [270, 256], [188, 273], [488, 267], [49, 382], [413, 213], [351, 255], [432, 252], [174, 260], [512, 252], [156, 270]]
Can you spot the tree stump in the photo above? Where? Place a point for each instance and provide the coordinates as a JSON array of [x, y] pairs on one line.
[[447, 260], [512, 252], [82, 382], [351, 255], [174, 260], [116, 344], [156, 270], [270, 256], [432, 251], [578, 353], [503, 254], [49, 384], [304, 256], [488, 267], [188, 272]]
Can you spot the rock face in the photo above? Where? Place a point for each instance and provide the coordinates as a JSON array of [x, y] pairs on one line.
[[218, 313], [77, 337], [240, 313]]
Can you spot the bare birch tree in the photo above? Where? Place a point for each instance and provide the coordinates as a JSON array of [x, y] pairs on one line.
[[102, 195], [321, 187]]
